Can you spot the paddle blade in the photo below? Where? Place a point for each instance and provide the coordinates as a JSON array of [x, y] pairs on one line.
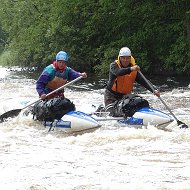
[[11, 113], [181, 124]]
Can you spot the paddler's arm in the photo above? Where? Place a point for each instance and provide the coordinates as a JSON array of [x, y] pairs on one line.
[[72, 74], [141, 81], [41, 84], [115, 70]]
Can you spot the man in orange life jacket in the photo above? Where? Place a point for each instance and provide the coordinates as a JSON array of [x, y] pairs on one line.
[[122, 75], [55, 76]]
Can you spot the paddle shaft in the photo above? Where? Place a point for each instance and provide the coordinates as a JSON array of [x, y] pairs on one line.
[[151, 86], [54, 91]]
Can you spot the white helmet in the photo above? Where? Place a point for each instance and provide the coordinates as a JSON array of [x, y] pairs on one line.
[[125, 51]]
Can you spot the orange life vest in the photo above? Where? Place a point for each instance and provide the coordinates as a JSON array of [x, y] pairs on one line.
[[124, 84], [57, 78], [56, 83]]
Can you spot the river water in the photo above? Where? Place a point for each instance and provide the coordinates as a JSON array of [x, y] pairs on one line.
[[109, 158]]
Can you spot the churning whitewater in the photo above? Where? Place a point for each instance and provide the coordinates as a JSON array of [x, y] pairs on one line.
[[111, 157]]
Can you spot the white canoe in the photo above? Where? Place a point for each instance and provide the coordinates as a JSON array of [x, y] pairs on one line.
[[75, 121], [149, 116], [79, 121]]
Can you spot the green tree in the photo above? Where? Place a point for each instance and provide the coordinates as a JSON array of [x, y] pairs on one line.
[[2, 39], [93, 32]]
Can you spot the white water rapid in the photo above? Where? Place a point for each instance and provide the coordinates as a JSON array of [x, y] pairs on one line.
[[109, 158]]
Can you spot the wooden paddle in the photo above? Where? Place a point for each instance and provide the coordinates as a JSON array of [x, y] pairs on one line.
[[182, 125], [15, 112]]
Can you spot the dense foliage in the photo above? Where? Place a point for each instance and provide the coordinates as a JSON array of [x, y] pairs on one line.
[[92, 32]]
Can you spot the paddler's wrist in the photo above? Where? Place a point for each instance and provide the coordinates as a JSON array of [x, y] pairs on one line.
[[43, 96]]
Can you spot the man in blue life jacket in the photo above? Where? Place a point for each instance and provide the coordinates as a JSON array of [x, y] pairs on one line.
[[55, 76]]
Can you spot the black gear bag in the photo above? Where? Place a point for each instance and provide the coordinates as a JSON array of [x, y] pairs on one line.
[[127, 106], [55, 108], [132, 104]]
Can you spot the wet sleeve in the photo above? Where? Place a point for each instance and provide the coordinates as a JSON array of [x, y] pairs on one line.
[[115, 70], [72, 74], [142, 82], [42, 82]]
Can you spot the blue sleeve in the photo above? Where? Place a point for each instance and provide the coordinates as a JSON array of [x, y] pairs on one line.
[[42, 82], [72, 74]]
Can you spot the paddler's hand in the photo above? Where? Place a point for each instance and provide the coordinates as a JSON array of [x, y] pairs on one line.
[[135, 68], [43, 96], [157, 93], [84, 75]]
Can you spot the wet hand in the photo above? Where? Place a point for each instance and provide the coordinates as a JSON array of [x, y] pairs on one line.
[[135, 68], [84, 75], [43, 96], [157, 93]]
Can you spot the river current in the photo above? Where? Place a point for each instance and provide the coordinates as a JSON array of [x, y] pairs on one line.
[[110, 158]]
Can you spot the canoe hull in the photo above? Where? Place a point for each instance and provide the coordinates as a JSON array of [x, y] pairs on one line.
[[148, 116], [74, 121]]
